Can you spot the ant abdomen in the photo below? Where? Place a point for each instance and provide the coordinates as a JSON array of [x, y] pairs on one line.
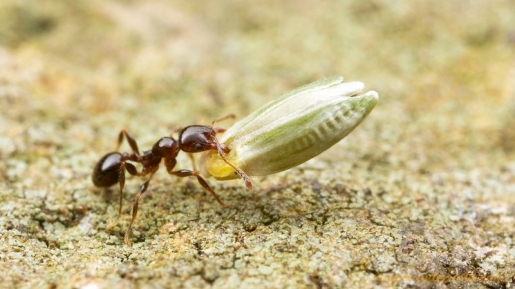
[[107, 170]]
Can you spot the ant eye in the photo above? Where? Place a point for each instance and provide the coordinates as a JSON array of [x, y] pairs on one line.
[[198, 146]]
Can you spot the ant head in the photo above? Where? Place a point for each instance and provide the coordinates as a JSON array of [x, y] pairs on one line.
[[166, 147], [197, 138]]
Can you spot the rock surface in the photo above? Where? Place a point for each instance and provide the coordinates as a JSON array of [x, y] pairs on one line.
[[420, 195]]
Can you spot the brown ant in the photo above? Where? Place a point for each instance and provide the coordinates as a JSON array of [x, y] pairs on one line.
[[111, 168]]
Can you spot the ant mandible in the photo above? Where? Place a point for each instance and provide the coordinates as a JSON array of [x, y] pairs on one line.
[[111, 168]]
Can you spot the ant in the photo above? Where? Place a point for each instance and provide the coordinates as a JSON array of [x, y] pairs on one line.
[[111, 168]]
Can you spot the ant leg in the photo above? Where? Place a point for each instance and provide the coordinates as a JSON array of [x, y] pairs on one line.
[[130, 140], [202, 182], [246, 179], [222, 148], [192, 159], [220, 119], [132, 170], [219, 130], [176, 130], [142, 189], [121, 180]]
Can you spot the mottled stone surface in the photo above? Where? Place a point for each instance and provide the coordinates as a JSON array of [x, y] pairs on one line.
[[421, 194]]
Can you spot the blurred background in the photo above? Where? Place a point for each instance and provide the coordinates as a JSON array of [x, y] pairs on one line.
[[445, 73], [435, 160]]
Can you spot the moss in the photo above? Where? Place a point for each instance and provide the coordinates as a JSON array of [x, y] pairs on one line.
[[420, 194]]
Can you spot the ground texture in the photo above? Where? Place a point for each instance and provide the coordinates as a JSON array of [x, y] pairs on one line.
[[421, 194]]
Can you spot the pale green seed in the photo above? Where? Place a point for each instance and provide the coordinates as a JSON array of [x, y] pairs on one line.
[[292, 129]]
